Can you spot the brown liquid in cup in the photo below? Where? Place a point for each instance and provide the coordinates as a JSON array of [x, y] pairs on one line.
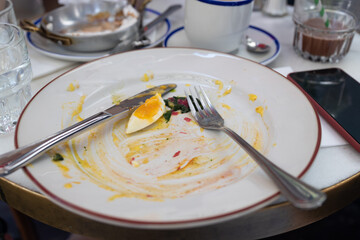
[[321, 43]]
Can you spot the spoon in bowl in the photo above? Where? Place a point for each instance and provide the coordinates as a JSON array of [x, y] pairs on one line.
[[141, 40], [256, 47]]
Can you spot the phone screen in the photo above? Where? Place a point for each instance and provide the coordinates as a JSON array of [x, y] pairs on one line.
[[337, 93]]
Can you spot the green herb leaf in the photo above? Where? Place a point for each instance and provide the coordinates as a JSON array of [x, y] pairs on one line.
[[167, 115], [57, 157], [176, 104], [327, 23]]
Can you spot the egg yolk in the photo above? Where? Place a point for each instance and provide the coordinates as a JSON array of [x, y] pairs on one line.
[[149, 109], [220, 84], [260, 110], [228, 91], [252, 97]]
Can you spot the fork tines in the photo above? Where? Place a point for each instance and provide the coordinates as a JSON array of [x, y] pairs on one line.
[[202, 105]]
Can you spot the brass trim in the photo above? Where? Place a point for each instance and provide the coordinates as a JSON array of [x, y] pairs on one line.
[[268, 221]]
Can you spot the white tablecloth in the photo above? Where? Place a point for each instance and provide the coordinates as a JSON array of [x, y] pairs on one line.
[[332, 164]]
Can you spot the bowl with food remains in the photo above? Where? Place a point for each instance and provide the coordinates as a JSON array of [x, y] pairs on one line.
[[90, 27]]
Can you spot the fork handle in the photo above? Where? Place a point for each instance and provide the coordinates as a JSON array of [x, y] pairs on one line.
[[297, 192]]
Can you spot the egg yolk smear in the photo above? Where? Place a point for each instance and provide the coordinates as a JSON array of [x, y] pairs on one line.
[[149, 109], [146, 114]]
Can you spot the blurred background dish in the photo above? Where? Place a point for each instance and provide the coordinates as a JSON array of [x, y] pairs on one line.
[[49, 48], [178, 38], [94, 26]]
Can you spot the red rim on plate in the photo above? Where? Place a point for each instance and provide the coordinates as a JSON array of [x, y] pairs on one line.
[[160, 224]]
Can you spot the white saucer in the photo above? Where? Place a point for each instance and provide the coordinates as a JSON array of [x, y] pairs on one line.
[[51, 49], [178, 38]]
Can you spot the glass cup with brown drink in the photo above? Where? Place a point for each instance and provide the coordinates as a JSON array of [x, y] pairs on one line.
[[324, 29]]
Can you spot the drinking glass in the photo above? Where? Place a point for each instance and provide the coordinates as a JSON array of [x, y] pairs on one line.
[[324, 29], [7, 14], [275, 8], [15, 75]]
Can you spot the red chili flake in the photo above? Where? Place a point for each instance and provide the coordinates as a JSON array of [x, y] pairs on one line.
[[183, 132], [187, 119], [174, 113], [177, 154]]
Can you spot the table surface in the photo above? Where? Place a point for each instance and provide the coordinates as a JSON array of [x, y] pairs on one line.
[[335, 169]]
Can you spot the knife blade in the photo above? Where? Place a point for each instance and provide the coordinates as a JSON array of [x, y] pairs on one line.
[[138, 99], [13, 160]]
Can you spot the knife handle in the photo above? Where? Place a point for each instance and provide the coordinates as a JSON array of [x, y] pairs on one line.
[[13, 160]]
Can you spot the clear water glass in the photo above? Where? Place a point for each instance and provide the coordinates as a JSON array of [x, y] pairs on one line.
[[7, 14], [15, 76]]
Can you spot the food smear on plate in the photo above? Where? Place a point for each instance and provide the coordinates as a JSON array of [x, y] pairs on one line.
[[71, 184], [104, 22], [116, 99], [72, 87], [147, 76], [252, 97], [226, 106], [220, 84], [78, 109], [227, 91], [146, 114], [260, 110], [169, 159]]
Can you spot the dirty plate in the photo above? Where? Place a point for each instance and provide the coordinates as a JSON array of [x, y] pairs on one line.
[[51, 49], [172, 174]]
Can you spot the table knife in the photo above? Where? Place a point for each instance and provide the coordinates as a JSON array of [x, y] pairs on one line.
[[13, 160]]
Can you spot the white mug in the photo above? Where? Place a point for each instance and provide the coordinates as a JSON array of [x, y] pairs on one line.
[[217, 24]]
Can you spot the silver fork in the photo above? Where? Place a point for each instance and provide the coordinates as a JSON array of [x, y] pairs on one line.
[[300, 194]]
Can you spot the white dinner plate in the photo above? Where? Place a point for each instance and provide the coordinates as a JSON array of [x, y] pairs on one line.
[[178, 38], [52, 49], [169, 175]]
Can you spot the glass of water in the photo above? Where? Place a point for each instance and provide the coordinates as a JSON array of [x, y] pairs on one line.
[[15, 76], [7, 14]]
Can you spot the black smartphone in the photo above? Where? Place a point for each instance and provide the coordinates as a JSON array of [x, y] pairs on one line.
[[336, 95]]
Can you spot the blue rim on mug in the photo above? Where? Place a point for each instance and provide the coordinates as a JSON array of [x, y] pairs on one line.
[[226, 3]]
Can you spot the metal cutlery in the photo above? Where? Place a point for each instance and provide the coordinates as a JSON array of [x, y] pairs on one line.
[[142, 40], [300, 194], [13, 160]]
